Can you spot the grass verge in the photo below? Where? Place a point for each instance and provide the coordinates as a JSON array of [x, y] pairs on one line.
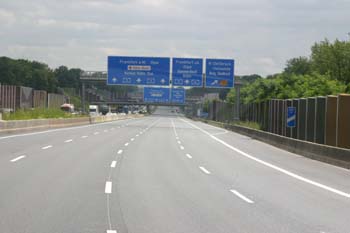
[[37, 113], [249, 124]]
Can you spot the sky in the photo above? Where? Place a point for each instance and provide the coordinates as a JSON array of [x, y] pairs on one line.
[[261, 35]]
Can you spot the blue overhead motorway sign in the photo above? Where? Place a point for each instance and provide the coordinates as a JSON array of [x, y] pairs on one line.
[[178, 95], [138, 71], [187, 72], [219, 73], [156, 95]]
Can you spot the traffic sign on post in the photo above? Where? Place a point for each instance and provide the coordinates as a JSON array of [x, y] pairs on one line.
[[178, 95], [187, 72], [291, 117], [219, 73], [138, 71], [156, 95]]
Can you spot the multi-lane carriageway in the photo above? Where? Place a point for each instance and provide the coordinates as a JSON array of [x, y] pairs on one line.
[[164, 173]]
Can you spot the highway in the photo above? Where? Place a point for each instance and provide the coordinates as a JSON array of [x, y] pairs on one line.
[[164, 174]]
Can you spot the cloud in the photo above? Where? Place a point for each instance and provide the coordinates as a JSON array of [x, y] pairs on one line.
[[259, 34]]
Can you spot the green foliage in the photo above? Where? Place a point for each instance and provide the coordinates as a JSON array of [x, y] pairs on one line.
[[68, 77], [287, 86], [38, 113], [231, 96], [243, 80], [326, 72], [246, 79], [299, 65], [206, 106], [27, 73], [332, 59]]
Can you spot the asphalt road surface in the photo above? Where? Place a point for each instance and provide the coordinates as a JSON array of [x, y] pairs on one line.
[[164, 174]]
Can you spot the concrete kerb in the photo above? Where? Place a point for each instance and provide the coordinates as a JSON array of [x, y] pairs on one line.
[[328, 154]]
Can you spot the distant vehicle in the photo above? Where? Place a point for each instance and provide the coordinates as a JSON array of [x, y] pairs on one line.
[[93, 110], [104, 109], [126, 109], [67, 107]]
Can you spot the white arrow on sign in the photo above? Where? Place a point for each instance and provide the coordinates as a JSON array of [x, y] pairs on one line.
[[186, 81], [138, 80], [162, 81], [114, 79], [214, 83]]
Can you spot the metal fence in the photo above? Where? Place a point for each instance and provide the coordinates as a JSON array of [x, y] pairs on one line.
[[323, 120]]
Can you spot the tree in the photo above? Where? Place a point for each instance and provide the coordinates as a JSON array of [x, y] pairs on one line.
[[231, 96], [332, 59], [287, 86], [299, 66]]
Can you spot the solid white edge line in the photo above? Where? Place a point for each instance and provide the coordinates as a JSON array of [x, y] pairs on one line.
[[108, 187], [120, 151], [113, 163], [46, 147], [291, 174], [69, 140], [241, 196], [204, 170], [18, 158], [189, 156], [111, 231]]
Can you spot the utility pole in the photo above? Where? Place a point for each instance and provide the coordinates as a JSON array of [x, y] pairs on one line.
[[349, 35]]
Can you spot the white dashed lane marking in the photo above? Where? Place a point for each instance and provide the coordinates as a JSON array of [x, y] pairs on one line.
[[46, 147], [126, 144], [189, 156], [113, 163], [182, 148], [69, 140], [18, 158], [84, 136], [108, 187], [204, 170], [120, 151], [241, 196]]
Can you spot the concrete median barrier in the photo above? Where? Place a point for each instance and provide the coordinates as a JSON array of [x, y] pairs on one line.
[[19, 126]]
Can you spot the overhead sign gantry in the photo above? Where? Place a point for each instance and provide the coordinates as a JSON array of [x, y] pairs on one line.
[[169, 72]]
